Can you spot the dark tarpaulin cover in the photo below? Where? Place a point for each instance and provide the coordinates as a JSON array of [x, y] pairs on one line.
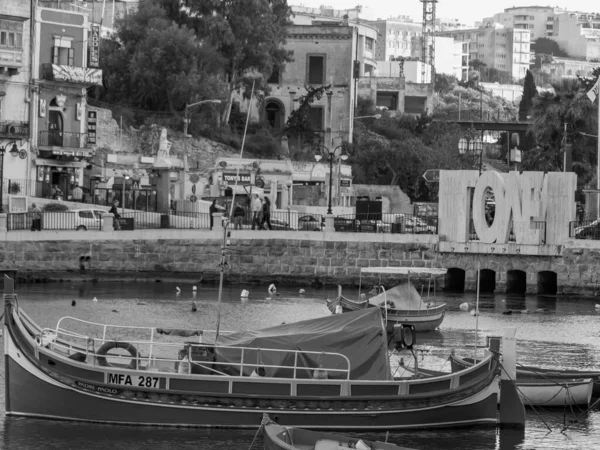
[[358, 335]]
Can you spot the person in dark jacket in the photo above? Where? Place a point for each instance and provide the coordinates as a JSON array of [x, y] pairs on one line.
[[114, 210], [238, 216], [266, 214]]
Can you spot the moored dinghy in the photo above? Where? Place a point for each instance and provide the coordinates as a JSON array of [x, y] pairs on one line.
[[537, 389], [277, 437], [212, 384]]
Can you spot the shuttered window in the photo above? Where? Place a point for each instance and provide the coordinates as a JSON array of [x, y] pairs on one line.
[[316, 70], [62, 52], [316, 118]]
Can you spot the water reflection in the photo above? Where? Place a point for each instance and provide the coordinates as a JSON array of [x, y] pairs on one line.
[[565, 335]]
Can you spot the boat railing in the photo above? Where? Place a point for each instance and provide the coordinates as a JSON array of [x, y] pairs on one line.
[[158, 359], [105, 328]]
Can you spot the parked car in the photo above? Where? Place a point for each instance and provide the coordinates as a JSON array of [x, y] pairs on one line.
[[311, 223], [278, 224], [413, 224], [87, 219]]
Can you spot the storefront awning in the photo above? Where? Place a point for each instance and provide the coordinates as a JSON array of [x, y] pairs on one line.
[[246, 190], [57, 163]]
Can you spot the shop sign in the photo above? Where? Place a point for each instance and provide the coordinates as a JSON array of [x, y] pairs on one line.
[[231, 178], [344, 183], [91, 126], [95, 46]]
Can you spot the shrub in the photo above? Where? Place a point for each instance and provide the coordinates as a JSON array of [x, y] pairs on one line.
[[14, 188], [55, 207]]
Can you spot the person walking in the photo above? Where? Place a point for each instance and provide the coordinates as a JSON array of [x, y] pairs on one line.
[[114, 210], [36, 217], [77, 193], [238, 216], [256, 210], [213, 208], [266, 214]]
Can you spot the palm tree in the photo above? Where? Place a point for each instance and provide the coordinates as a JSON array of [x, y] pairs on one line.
[[559, 115]]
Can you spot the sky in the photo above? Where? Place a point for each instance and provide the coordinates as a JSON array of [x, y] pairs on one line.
[[467, 11]]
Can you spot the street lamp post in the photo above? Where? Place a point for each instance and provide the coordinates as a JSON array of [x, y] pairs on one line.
[[125, 178], [2, 151], [332, 156], [472, 145]]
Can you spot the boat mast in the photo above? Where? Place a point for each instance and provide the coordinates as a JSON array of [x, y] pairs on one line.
[[477, 308], [223, 264]]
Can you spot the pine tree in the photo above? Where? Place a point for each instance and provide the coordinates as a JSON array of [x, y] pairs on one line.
[[529, 91]]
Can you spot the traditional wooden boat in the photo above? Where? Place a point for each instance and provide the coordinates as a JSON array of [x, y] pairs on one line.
[[536, 389], [277, 437], [555, 374], [327, 373], [401, 305]]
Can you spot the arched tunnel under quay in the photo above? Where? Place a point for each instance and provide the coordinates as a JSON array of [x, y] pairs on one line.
[[516, 282], [487, 281], [454, 280], [547, 283]]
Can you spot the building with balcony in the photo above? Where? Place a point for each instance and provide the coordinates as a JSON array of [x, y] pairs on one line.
[[14, 94], [504, 49], [64, 65], [538, 20]]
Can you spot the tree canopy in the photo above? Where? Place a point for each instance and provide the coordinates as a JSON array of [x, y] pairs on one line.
[[529, 92], [155, 64], [547, 46]]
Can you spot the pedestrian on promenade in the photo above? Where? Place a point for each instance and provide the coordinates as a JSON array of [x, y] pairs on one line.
[[256, 210], [266, 214], [36, 217], [214, 208], [115, 212], [238, 216], [77, 193]]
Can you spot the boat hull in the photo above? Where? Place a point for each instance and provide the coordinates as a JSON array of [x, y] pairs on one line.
[[421, 323], [552, 392], [35, 391]]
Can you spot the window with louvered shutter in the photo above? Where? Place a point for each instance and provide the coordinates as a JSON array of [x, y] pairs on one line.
[[316, 69]]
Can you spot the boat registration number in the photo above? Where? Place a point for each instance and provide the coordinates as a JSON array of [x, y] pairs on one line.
[[133, 380]]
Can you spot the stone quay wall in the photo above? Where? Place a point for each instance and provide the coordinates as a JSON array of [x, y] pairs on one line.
[[279, 256]]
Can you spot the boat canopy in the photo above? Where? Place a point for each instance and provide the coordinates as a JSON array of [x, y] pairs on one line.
[[403, 296], [404, 270], [359, 336]]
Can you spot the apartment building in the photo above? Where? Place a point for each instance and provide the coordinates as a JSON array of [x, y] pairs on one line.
[[15, 96], [397, 39], [578, 33], [504, 49], [65, 63]]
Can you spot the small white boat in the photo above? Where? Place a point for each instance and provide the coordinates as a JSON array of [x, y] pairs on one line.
[[539, 390]]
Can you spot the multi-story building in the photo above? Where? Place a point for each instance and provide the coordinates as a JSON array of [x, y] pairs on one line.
[[578, 33], [64, 65], [15, 95], [504, 49], [398, 39], [538, 20]]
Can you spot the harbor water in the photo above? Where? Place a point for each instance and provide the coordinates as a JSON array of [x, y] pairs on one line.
[[559, 332]]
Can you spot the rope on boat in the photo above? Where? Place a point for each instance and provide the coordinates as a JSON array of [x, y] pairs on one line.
[[534, 410], [266, 420], [592, 406]]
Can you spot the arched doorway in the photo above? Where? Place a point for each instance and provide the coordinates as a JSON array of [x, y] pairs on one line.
[[454, 280], [547, 283], [516, 282], [487, 281], [275, 114]]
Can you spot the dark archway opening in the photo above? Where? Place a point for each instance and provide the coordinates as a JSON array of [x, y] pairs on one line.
[[547, 283], [516, 282], [487, 282], [274, 114], [454, 280]]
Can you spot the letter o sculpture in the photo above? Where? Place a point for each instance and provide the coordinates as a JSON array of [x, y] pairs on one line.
[[490, 234]]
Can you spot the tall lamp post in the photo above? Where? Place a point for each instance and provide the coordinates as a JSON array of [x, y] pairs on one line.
[[125, 178], [472, 145], [332, 155]]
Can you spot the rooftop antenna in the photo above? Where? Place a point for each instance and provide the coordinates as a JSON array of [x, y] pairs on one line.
[[428, 39]]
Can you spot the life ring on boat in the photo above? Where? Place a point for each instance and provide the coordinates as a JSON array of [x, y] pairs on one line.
[[102, 351]]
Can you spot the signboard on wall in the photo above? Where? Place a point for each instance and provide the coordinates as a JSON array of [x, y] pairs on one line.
[[230, 177], [95, 46], [91, 126]]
